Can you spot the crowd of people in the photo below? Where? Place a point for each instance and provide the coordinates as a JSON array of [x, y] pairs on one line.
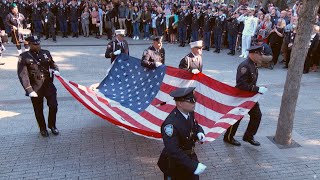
[[179, 22]]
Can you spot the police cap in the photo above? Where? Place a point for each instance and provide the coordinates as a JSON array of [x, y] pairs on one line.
[[254, 49], [182, 94], [33, 40]]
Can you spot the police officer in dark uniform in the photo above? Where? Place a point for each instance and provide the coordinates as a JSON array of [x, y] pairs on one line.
[[195, 25], [34, 72], [4, 11], [233, 29], [207, 28], [219, 28], [180, 131], [117, 46], [182, 25], [36, 12], [154, 56], [49, 22], [247, 76], [192, 62], [62, 18], [74, 18]]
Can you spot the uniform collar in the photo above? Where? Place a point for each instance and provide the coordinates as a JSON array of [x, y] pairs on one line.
[[184, 115]]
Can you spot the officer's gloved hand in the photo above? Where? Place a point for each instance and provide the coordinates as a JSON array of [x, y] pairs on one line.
[[158, 64], [262, 90], [57, 73], [201, 137], [200, 168], [195, 71], [117, 52], [33, 94]]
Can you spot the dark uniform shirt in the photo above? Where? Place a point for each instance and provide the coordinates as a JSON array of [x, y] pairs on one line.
[[208, 22], [114, 46], [48, 18], [247, 75], [33, 70], [36, 13], [179, 136], [151, 56], [195, 25], [62, 13], [183, 18], [232, 26], [190, 62], [74, 14]]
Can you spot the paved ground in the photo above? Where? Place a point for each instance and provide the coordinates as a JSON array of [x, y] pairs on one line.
[[91, 148]]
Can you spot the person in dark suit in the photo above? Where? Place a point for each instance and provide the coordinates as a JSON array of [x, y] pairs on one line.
[[34, 72], [49, 23], [117, 46], [247, 76], [192, 62], [154, 56], [180, 131]]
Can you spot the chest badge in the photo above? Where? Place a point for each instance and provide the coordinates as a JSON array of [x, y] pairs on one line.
[[243, 70]]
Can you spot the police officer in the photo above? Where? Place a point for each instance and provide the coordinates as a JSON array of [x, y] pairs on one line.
[[62, 18], [34, 69], [36, 11], [74, 18], [207, 28], [180, 131], [154, 56], [192, 62], [233, 29], [247, 76], [117, 46], [195, 25], [182, 25], [4, 11], [219, 28], [49, 23]]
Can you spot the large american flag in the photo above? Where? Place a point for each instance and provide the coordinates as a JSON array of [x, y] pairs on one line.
[[137, 99]]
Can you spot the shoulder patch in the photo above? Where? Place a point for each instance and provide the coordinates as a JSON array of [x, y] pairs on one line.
[[168, 129], [243, 70]]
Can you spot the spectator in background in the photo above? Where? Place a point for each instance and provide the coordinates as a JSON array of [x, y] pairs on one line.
[[264, 27], [136, 17], [123, 12], [146, 21], [275, 39], [85, 21], [173, 26], [95, 21]]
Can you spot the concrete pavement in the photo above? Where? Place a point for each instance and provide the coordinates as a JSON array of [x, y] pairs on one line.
[[91, 148]]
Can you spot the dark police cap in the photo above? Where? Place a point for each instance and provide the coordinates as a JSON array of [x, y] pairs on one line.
[[157, 38], [33, 40], [254, 49], [13, 5], [181, 94]]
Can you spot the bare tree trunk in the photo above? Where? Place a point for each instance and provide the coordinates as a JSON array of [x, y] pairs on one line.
[[292, 85]]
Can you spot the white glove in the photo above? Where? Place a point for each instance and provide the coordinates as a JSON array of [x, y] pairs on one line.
[[28, 25], [200, 168], [117, 52], [262, 90], [158, 64], [57, 73], [195, 71], [33, 94], [201, 137]]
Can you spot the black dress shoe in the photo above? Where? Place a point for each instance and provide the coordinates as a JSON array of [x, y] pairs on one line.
[[232, 141], [251, 141], [2, 63], [44, 133], [54, 131]]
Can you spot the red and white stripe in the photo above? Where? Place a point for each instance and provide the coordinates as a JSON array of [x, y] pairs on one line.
[[218, 105]]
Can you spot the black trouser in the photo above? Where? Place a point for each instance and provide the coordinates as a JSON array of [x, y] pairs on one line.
[[50, 94], [181, 173], [50, 29], [255, 118], [276, 49], [288, 54]]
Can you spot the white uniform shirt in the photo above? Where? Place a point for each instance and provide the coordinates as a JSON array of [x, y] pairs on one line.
[[250, 24]]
